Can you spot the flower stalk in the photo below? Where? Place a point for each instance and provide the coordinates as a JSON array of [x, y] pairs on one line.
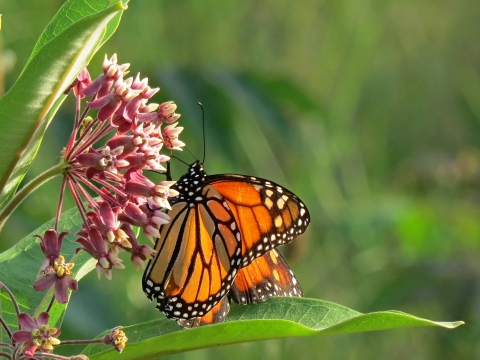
[[29, 188]]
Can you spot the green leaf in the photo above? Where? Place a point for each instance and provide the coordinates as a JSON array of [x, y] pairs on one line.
[[27, 109], [69, 13], [276, 318], [19, 268]]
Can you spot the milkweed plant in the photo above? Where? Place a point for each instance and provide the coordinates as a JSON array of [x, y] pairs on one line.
[[118, 135]]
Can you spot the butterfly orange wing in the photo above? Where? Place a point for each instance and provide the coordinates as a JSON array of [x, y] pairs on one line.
[[267, 276], [198, 256], [267, 214]]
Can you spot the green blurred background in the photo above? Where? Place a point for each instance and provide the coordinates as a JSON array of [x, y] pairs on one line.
[[368, 110]]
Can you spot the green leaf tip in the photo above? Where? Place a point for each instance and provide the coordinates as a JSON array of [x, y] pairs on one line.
[[276, 318]]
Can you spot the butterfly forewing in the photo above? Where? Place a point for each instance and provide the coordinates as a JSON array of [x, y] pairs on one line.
[[267, 214]]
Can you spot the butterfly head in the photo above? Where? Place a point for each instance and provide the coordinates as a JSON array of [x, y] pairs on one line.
[[190, 185]]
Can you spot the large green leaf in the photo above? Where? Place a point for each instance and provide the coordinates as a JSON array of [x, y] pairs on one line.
[[19, 267], [275, 318], [57, 59]]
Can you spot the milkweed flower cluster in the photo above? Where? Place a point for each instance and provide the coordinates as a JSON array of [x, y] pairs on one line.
[[139, 133], [109, 186]]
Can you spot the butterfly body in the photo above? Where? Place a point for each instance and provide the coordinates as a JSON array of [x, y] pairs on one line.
[[220, 225]]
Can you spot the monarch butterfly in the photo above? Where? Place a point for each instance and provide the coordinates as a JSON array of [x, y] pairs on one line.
[[222, 227]]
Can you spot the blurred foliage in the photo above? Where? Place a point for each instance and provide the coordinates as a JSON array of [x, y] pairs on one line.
[[369, 111]]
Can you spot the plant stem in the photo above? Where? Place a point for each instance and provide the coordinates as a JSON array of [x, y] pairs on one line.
[[83, 342], [14, 301], [28, 189]]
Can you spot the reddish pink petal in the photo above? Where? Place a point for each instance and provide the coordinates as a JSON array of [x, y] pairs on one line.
[[91, 172], [72, 284], [147, 117], [45, 282], [22, 336], [90, 159], [88, 247], [96, 240], [131, 109], [43, 318], [61, 291], [107, 215], [106, 111], [27, 322], [137, 189], [94, 86], [137, 215]]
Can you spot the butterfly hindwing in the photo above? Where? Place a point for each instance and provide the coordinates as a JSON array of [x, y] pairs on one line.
[[267, 276], [216, 315]]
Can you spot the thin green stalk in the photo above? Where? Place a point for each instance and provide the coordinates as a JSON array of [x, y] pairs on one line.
[[28, 189]]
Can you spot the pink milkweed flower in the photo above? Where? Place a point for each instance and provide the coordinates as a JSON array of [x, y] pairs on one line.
[[117, 339], [140, 253], [58, 275], [106, 160], [140, 185], [170, 137], [108, 104], [35, 334], [107, 223], [111, 72], [50, 244], [145, 93], [81, 82], [150, 223], [165, 114], [96, 246]]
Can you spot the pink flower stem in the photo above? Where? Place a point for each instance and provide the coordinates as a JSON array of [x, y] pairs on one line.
[[94, 188], [28, 189], [5, 355], [111, 187], [60, 202], [94, 137], [113, 177], [14, 301], [76, 197], [80, 140]]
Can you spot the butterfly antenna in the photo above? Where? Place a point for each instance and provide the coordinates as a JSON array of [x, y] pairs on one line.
[[203, 128], [190, 153], [177, 158]]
